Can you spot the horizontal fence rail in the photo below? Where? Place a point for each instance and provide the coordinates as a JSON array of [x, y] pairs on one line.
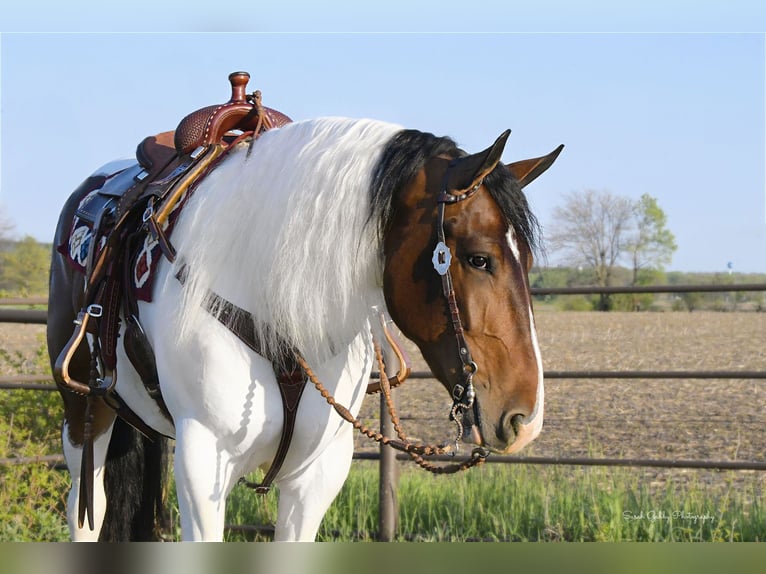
[[627, 289], [37, 316], [23, 301], [386, 456], [624, 375], [32, 316], [27, 383], [584, 461]]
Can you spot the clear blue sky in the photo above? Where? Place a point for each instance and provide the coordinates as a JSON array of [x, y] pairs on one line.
[[678, 116]]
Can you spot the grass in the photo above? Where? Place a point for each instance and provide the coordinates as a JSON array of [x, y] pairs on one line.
[[494, 502], [532, 503], [32, 496]]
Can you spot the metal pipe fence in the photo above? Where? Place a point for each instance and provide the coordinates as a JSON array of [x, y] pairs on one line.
[[388, 458]]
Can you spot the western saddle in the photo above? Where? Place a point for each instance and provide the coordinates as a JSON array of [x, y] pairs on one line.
[[120, 211], [137, 202]]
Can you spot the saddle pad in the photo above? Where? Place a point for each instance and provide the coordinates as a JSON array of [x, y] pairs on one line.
[[78, 243], [76, 246], [149, 254]]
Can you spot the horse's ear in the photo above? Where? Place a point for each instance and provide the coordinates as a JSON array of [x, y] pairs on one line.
[[527, 170], [466, 172]]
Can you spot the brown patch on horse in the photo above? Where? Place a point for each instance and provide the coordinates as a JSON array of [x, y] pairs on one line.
[[494, 303], [66, 292]]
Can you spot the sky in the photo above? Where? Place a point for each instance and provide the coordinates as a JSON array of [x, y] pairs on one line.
[[670, 108]]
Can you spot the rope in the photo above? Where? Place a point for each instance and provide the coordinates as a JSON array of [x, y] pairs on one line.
[[416, 451]]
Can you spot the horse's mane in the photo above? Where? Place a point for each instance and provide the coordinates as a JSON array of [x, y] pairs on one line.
[[284, 233], [292, 231], [408, 152]]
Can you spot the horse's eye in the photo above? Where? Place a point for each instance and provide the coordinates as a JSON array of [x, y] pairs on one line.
[[479, 262]]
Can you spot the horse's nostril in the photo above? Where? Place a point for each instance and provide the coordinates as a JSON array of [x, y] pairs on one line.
[[509, 427]]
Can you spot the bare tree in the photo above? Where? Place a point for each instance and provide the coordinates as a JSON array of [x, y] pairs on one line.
[[591, 229], [6, 232]]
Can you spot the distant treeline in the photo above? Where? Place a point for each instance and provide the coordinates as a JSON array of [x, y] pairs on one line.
[[554, 277], [24, 268], [24, 273]]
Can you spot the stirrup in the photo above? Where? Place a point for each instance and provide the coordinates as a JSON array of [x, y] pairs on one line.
[[61, 367]]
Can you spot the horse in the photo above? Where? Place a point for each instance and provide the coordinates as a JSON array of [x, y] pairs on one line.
[[311, 229]]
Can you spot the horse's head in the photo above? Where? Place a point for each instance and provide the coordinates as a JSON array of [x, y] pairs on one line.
[[458, 249]]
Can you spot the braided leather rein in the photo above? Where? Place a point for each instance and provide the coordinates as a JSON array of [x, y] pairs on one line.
[[463, 393], [416, 451]]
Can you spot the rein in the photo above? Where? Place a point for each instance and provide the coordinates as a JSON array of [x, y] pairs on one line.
[[291, 380], [416, 451], [463, 393]]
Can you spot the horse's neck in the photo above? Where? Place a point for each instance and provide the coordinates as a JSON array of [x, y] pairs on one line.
[[300, 257]]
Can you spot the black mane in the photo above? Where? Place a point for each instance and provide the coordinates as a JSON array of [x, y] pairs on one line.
[[409, 150]]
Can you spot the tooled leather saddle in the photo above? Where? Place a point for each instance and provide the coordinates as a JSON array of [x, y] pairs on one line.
[[120, 213], [118, 217]]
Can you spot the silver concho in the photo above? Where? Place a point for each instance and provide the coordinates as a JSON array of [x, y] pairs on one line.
[[442, 258]]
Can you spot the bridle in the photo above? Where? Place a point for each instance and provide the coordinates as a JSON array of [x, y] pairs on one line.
[[463, 393]]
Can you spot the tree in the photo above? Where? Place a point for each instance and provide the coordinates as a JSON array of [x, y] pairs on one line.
[[25, 267], [651, 245], [597, 230], [6, 229], [591, 230]]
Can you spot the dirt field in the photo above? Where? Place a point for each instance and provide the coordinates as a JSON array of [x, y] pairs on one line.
[[683, 419]]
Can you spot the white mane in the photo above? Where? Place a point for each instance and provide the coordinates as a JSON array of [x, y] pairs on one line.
[[284, 233]]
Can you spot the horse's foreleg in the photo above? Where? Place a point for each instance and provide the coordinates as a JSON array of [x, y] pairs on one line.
[[73, 455], [203, 480], [305, 498]]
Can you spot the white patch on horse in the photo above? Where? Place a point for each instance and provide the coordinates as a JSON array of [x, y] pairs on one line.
[[530, 427], [511, 238], [73, 456], [307, 273]]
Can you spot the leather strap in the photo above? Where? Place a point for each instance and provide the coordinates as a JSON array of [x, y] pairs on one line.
[[291, 386], [137, 346], [291, 377], [463, 392]]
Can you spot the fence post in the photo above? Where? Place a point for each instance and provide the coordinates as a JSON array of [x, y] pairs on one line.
[[388, 506]]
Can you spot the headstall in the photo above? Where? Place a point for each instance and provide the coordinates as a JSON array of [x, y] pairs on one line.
[[463, 393]]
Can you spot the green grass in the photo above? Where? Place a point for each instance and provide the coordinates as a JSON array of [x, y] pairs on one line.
[[492, 502], [32, 496], [532, 503]]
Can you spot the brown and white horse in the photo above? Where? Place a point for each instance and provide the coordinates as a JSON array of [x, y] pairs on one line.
[[324, 221]]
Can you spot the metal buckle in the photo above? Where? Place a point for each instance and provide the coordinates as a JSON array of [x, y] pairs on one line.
[[469, 368], [95, 310]]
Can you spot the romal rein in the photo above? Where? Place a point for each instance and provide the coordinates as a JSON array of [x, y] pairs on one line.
[[463, 393]]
